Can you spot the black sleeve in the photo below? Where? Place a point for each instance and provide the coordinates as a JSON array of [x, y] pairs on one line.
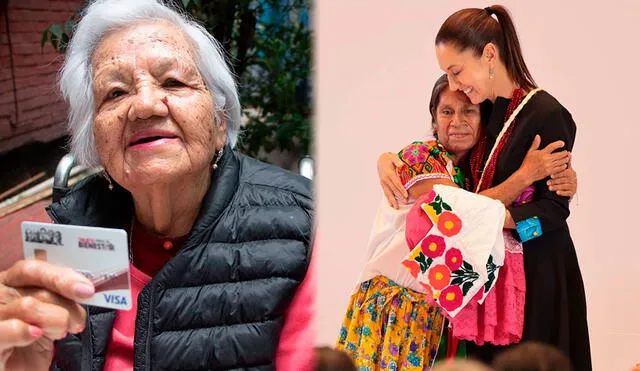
[[67, 354], [547, 211]]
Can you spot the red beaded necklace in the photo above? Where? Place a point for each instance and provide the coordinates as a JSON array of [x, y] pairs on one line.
[[476, 162]]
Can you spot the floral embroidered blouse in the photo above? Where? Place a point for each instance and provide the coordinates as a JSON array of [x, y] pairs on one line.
[[427, 160]]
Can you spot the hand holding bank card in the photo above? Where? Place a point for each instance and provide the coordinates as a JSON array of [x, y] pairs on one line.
[[100, 254]]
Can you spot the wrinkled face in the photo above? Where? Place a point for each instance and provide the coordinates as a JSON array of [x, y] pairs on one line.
[[466, 71], [457, 122], [154, 116]]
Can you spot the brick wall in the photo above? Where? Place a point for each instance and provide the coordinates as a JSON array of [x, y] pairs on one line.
[[30, 103]]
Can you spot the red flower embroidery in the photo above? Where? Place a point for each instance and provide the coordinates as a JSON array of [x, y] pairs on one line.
[[439, 276], [433, 246], [453, 259], [449, 224], [413, 266], [450, 298]]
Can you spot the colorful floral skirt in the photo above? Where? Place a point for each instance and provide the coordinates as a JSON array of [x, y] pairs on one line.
[[389, 327]]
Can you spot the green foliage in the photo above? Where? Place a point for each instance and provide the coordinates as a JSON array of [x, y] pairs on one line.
[[268, 43], [58, 35]]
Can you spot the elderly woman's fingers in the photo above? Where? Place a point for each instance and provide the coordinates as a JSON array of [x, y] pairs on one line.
[[396, 186], [62, 281], [389, 180], [567, 175], [388, 193], [558, 183], [54, 320], [565, 193], [17, 333], [560, 157], [385, 162], [563, 186], [553, 146], [403, 194], [557, 168], [56, 306]]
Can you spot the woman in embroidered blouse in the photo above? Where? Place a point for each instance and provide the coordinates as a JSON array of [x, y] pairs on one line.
[[480, 52], [390, 322]]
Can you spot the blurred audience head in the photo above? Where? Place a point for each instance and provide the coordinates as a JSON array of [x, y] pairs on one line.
[[532, 356], [329, 359], [461, 365]]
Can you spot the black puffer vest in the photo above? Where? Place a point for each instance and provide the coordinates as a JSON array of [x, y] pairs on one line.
[[219, 303]]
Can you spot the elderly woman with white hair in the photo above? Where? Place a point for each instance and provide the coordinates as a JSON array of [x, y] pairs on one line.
[[219, 244]]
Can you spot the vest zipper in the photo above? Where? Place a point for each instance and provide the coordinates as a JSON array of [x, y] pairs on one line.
[[147, 350], [87, 344]]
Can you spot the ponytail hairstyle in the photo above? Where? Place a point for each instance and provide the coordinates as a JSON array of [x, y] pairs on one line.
[[474, 28]]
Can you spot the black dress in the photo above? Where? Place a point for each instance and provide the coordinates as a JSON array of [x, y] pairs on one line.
[[555, 308]]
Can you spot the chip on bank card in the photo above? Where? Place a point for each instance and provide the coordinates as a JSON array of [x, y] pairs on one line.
[[100, 254]]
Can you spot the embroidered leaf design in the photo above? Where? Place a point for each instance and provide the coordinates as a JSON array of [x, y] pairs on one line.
[[446, 206], [491, 267], [490, 263], [423, 263], [438, 199], [467, 266], [488, 284], [423, 267], [466, 287], [438, 209], [457, 280], [429, 261]]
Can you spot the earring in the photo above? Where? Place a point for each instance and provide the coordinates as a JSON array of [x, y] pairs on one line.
[[218, 157], [106, 175], [491, 73]]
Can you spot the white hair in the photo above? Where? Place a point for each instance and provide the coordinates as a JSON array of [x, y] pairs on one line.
[[103, 16]]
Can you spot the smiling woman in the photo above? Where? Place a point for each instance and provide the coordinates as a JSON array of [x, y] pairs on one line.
[[219, 243], [480, 52], [145, 74]]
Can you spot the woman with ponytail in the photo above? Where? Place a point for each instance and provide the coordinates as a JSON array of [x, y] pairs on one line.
[[479, 51]]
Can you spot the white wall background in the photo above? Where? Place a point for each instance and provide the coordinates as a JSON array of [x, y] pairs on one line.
[[376, 66]]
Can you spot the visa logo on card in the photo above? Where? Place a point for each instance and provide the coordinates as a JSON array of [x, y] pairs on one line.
[[100, 254], [115, 299]]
